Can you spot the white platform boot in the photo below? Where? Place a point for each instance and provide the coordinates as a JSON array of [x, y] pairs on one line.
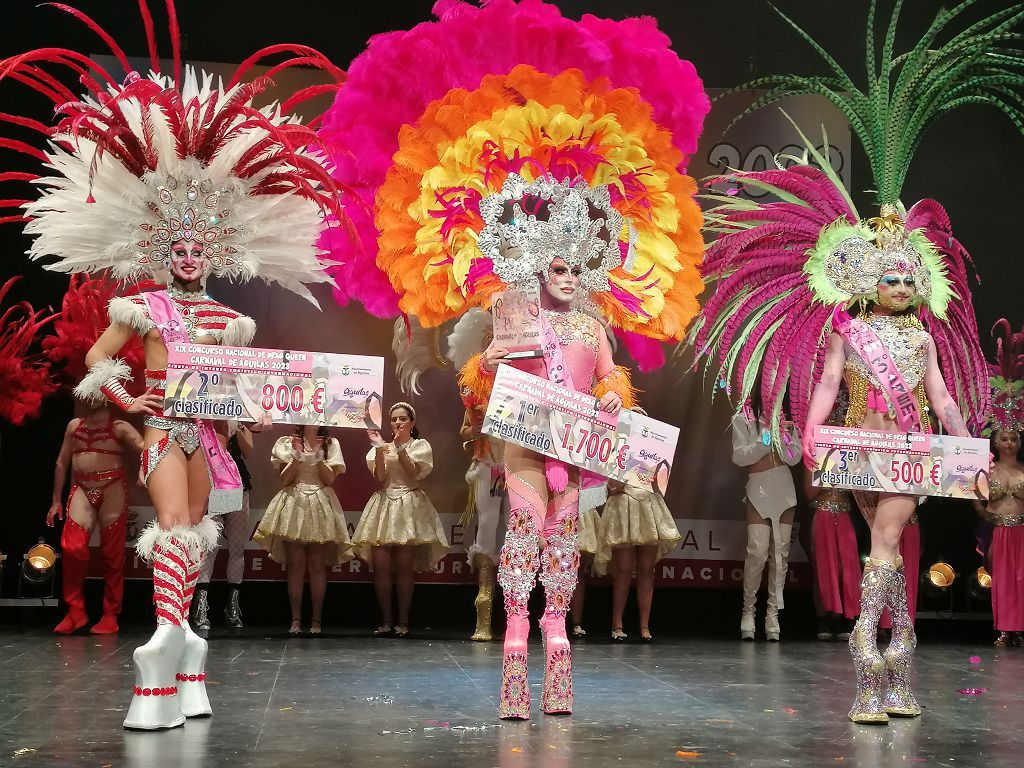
[[157, 702], [778, 568], [758, 538]]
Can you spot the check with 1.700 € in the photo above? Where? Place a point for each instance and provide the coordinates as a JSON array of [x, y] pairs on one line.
[[567, 425]]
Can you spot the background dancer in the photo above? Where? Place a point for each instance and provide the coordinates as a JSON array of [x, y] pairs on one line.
[[399, 532], [304, 526]]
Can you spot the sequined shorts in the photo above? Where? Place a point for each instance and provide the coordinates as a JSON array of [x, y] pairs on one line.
[[184, 432]]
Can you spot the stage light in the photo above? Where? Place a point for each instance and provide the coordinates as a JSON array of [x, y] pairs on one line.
[[37, 569], [941, 576], [980, 585]]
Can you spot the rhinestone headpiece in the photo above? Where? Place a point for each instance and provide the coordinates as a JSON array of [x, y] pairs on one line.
[[857, 263], [527, 225], [187, 209]]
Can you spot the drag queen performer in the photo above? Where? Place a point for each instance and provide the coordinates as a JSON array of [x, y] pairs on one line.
[[637, 530], [554, 163], [1005, 507], [770, 503], [174, 176], [811, 256], [304, 526], [544, 496], [399, 532], [235, 535], [93, 445]]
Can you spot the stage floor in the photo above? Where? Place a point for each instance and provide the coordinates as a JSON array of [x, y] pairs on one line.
[[431, 701]]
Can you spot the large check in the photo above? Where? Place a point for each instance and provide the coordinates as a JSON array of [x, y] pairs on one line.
[[243, 383], [916, 463], [558, 422]]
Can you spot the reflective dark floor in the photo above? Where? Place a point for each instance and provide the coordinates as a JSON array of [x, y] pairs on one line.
[[431, 701]]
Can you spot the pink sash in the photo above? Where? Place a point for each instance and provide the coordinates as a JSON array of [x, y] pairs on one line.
[[226, 493], [865, 342]]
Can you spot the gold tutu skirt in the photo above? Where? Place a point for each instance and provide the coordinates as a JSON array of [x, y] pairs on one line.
[[407, 519], [307, 514], [590, 524], [640, 520]]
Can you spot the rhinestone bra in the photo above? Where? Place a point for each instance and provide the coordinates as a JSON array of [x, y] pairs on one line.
[[907, 343]]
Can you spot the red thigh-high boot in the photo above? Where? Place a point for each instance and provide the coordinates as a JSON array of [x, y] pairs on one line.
[[112, 551], [191, 675], [155, 703], [74, 544], [559, 565], [517, 575]]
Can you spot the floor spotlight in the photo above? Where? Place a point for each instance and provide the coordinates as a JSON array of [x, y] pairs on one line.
[[37, 569], [940, 576], [980, 585]]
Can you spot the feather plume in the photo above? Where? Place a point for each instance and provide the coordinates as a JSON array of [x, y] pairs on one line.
[[24, 375], [631, 53]]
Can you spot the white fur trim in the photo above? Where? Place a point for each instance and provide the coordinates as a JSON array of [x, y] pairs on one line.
[[594, 497], [238, 332], [197, 540], [125, 311], [88, 389]]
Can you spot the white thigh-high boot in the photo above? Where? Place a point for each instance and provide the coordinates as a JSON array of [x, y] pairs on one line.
[[155, 702], [778, 567], [191, 672], [758, 539]]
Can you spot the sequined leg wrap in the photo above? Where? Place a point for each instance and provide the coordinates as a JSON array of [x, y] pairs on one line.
[[560, 562], [899, 700], [517, 573], [867, 661]]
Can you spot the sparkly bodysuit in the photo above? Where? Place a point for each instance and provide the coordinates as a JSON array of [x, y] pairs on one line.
[[578, 336], [907, 343], [205, 321]]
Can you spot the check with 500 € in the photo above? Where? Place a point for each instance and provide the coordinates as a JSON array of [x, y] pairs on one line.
[[243, 383], [564, 424], [915, 463]]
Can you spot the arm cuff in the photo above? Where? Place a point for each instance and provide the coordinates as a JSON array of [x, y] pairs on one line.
[[106, 371]]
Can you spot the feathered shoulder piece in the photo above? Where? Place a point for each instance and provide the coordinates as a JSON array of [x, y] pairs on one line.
[[24, 375], [769, 321], [82, 319], [130, 167], [1007, 380]]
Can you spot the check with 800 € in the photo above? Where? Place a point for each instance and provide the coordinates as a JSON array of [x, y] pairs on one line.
[[243, 383]]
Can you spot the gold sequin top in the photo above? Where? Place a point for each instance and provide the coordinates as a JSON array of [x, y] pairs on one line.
[[905, 339], [999, 490], [574, 327]]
